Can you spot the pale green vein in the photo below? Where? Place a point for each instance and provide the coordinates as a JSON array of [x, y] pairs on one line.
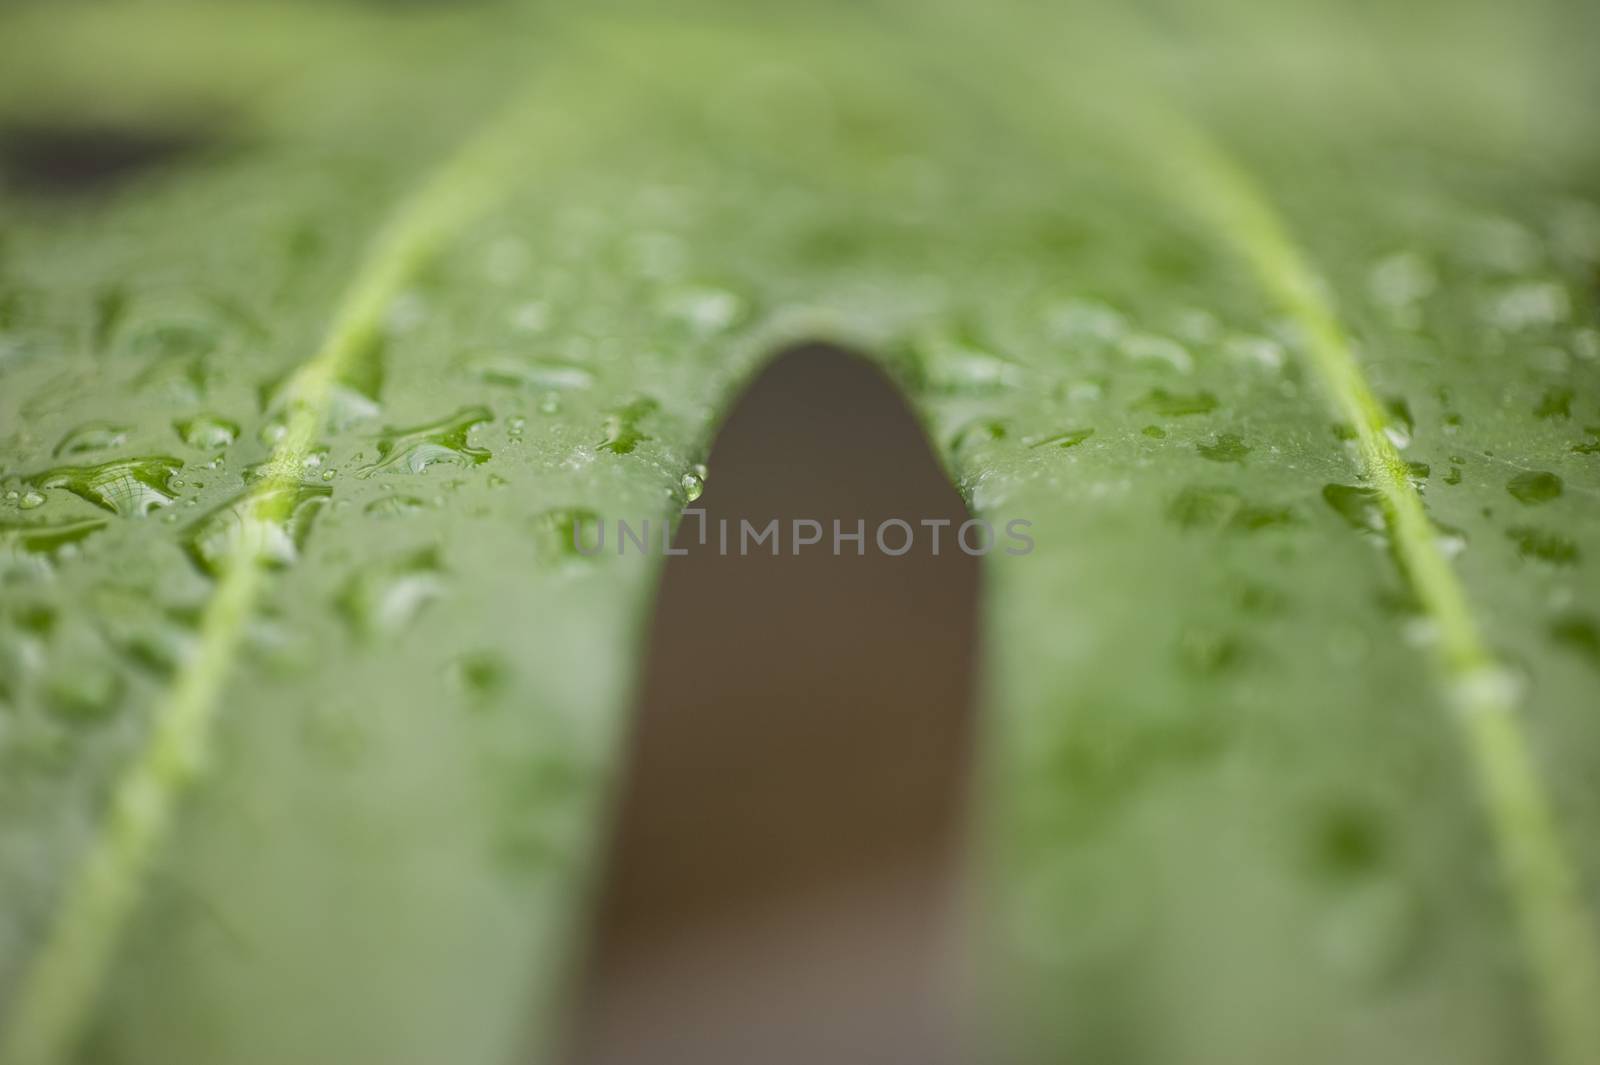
[[1557, 931], [61, 985], [1556, 928]]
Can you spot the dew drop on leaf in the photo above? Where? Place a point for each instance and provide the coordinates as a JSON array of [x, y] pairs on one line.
[[394, 506], [977, 432], [87, 693], [1579, 633], [556, 533], [1556, 403], [1177, 404], [45, 538], [1533, 487], [1085, 320], [93, 436], [694, 484], [534, 374], [268, 525], [126, 486], [383, 597], [1065, 439], [208, 432], [1361, 508], [704, 309], [1225, 509], [622, 432], [1400, 426], [1228, 447], [444, 442], [1144, 347], [483, 675], [1541, 544]]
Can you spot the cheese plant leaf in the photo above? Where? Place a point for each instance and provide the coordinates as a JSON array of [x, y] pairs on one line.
[[323, 326]]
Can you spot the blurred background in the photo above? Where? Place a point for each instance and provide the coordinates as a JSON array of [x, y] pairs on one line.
[[783, 881]]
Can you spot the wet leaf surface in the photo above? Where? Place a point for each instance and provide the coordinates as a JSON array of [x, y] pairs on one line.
[[1293, 743]]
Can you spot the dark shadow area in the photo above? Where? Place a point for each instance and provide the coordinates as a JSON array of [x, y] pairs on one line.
[[68, 160], [783, 882]]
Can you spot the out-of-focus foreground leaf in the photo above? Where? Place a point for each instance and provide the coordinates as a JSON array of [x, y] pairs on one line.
[[320, 326]]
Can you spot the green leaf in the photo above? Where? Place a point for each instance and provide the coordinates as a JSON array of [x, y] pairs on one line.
[[1279, 323]]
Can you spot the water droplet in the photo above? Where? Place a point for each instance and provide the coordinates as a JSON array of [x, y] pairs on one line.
[[1065, 439], [483, 674], [208, 432], [1487, 688], [535, 374], [1586, 343], [285, 466], [1450, 540], [268, 524], [407, 312], [350, 398], [555, 533], [703, 308], [126, 486], [446, 441], [164, 646], [1579, 633], [394, 506], [1400, 426], [1208, 652], [45, 538], [1177, 404], [1361, 508], [93, 436], [1538, 543], [1262, 351], [1556, 403], [531, 317], [1228, 447], [1529, 304], [1534, 487], [383, 597], [958, 360], [976, 433], [622, 433], [693, 485], [1085, 319], [1224, 509], [31, 500], [1453, 475], [1400, 282], [1144, 347], [1590, 446], [1155, 432], [88, 693]]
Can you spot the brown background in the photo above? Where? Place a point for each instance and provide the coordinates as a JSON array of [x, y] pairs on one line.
[[781, 882]]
